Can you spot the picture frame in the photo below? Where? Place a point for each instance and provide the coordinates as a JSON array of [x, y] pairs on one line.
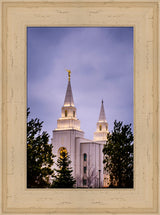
[[16, 16]]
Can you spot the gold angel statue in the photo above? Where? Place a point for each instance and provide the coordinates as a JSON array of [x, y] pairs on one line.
[[69, 74]]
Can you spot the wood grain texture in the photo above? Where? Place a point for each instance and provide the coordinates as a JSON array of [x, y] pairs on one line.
[[144, 17]]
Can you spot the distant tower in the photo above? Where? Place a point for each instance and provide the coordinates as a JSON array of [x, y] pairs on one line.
[[101, 136], [102, 126]]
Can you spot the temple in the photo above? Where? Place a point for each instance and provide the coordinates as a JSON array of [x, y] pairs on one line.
[[86, 155]]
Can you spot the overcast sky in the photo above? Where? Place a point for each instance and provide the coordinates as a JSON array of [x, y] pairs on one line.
[[101, 64]]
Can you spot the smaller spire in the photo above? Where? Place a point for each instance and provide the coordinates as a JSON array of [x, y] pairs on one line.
[[102, 116]]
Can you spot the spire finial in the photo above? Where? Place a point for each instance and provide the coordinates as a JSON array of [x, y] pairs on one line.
[[69, 74]]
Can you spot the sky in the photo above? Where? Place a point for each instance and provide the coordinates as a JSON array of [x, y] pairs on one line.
[[101, 64]]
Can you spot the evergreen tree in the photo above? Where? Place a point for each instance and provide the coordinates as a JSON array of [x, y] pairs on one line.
[[118, 155], [39, 155], [63, 178]]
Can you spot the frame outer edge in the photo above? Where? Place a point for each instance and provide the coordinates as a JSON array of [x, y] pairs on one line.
[[2, 102], [4, 106], [1, 107], [81, 1], [156, 105], [158, 97]]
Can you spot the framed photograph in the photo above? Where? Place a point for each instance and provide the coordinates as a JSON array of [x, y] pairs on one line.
[[74, 114], [26, 25]]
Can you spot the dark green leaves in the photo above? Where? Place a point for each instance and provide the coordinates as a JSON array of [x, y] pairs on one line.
[[118, 155], [63, 178], [39, 155]]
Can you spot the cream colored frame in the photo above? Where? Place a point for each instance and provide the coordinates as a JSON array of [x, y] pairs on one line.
[[16, 16]]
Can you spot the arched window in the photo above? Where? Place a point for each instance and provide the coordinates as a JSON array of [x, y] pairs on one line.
[[65, 113], [73, 113], [100, 128], [85, 157], [106, 127], [62, 152]]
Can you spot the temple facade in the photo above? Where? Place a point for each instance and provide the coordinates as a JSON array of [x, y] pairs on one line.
[[86, 155]]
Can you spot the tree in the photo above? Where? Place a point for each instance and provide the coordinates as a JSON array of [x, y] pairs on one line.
[[118, 156], [39, 155], [63, 178]]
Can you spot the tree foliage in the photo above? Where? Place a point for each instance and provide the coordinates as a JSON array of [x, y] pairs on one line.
[[63, 178], [118, 155], [39, 155]]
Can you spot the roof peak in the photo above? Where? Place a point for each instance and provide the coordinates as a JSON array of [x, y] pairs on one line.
[[68, 101], [102, 116]]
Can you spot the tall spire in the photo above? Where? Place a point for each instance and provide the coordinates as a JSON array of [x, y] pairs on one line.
[[68, 119], [68, 101], [102, 116]]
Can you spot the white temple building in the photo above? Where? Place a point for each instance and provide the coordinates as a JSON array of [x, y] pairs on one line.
[[86, 155]]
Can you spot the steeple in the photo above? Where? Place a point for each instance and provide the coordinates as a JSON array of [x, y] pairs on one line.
[[68, 118], [102, 116], [68, 101], [102, 126]]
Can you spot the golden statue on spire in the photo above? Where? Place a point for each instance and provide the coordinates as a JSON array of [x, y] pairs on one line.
[[69, 74]]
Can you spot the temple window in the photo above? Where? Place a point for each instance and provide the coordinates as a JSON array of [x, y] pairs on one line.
[[84, 182], [65, 113], [62, 152], [85, 169], [84, 156], [73, 113], [100, 128]]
